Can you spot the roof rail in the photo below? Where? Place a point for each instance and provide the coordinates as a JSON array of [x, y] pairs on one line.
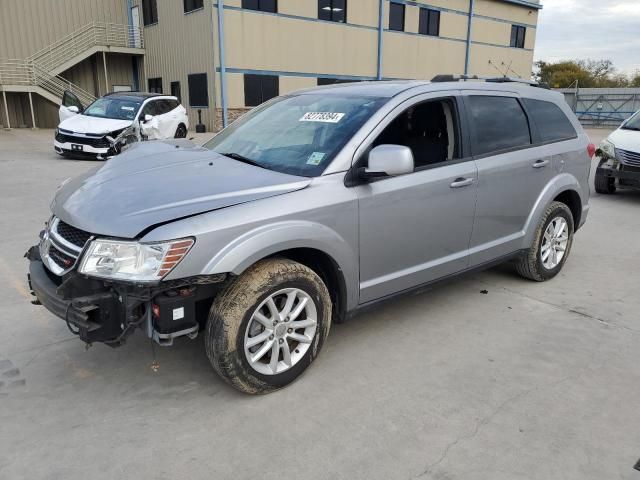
[[461, 78]]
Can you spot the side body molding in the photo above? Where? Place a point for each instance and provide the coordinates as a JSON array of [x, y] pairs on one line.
[[266, 240]]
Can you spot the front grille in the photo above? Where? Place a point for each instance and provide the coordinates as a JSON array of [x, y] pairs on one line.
[[628, 158], [100, 142], [72, 234], [63, 260]]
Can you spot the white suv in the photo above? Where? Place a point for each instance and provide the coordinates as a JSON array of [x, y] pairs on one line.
[[100, 130]]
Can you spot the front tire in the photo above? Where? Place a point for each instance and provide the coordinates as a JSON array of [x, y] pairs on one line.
[[551, 246], [181, 131], [268, 326], [604, 185]]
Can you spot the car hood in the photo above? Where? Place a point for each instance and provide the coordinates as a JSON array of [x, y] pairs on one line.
[[160, 181], [626, 139], [85, 124]]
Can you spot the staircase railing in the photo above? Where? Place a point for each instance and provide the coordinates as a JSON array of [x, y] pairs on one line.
[[36, 69]]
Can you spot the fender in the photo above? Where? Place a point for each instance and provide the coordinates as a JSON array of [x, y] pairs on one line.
[[267, 240], [555, 187]]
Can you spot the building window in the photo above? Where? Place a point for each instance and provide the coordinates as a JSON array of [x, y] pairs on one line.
[[429, 22], [175, 91], [518, 34], [155, 85], [191, 5], [332, 10], [260, 88], [396, 16], [270, 6], [149, 12], [198, 96], [332, 81]]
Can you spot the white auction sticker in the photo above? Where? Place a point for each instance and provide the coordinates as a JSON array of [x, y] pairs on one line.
[[326, 117], [178, 313]]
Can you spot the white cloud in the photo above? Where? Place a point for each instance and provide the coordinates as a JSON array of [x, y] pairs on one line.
[[572, 29]]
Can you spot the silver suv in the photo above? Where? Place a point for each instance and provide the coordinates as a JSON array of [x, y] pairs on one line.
[[308, 209]]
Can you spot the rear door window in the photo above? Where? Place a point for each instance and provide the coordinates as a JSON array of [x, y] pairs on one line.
[[551, 122], [498, 123]]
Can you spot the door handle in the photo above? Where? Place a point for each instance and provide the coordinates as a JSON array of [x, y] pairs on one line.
[[461, 182], [540, 164]]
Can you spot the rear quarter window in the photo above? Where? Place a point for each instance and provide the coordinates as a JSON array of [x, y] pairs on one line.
[[499, 124], [551, 122]]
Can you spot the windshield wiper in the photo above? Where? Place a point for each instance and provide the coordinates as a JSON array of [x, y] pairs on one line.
[[242, 158]]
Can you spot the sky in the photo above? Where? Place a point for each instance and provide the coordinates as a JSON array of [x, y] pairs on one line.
[[596, 29]]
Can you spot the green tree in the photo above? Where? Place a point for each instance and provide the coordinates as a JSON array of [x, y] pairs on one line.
[[635, 80], [588, 74]]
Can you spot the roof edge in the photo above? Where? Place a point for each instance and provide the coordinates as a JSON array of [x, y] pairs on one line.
[[525, 3]]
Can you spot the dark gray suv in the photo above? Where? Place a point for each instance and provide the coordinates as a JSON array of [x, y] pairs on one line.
[[308, 209]]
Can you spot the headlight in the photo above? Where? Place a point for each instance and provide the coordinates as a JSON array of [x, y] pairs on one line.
[[608, 148], [133, 261]]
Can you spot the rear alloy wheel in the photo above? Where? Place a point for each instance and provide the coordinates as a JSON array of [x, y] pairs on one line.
[[551, 245], [181, 131], [268, 325]]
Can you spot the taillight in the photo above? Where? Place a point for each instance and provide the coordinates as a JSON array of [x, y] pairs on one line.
[[591, 150]]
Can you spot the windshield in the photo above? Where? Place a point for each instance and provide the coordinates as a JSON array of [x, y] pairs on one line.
[[117, 108], [298, 135], [633, 123]]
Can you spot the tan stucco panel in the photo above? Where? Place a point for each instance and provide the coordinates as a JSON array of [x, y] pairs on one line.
[[269, 42], [421, 57], [488, 31], [453, 25], [364, 13], [520, 61], [291, 84], [506, 11]]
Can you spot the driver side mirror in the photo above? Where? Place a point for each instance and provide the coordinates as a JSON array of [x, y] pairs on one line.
[[73, 109], [387, 161], [147, 118]]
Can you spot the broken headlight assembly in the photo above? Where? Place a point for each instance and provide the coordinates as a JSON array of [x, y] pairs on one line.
[[133, 261], [608, 149]]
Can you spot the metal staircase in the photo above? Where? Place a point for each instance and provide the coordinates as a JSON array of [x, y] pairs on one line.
[[40, 72]]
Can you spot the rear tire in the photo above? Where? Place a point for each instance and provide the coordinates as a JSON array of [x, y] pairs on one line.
[[181, 131], [241, 325], [536, 264], [605, 185]]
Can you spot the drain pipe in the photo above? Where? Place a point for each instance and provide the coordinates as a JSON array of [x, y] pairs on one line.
[[380, 32], [223, 71], [469, 30]]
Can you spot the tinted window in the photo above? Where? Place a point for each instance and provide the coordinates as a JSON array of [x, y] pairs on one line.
[[172, 104], [155, 85], [396, 17], [150, 108], [190, 5], [299, 135], [499, 124], [149, 12], [261, 5], [260, 88], [332, 81], [113, 107], [518, 34], [551, 122], [332, 10], [175, 90], [429, 22], [198, 96]]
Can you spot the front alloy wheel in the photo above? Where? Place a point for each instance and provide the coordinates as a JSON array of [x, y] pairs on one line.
[[268, 325]]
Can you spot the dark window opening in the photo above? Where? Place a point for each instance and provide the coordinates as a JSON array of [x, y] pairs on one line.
[[429, 22], [499, 123], [175, 91], [191, 5], [260, 88], [149, 12], [332, 10], [270, 6], [429, 129], [333, 81], [155, 85], [518, 35], [551, 122], [198, 95], [396, 17]]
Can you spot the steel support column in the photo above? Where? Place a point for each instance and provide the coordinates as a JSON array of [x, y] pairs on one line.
[[380, 34], [106, 75], [467, 57], [223, 67], [33, 117]]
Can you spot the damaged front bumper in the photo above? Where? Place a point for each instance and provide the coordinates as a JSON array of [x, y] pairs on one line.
[[626, 176], [109, 312]]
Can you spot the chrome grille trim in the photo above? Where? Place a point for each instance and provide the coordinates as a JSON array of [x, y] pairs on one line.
[[53, 240], [628, 158]]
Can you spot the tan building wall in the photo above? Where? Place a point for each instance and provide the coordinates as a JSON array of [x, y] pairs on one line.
[[27, 26]]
